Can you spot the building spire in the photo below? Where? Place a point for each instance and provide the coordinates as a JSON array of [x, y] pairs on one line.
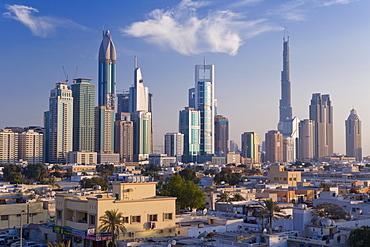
[[135, 62]]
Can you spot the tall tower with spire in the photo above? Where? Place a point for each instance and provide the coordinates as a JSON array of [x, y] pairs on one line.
[[104, 112], [285, 101], [354, 136], [141, 115]]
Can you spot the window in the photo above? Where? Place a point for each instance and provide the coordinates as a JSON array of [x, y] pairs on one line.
[[92, 219], [136, 219], [167, 216], [4, 217], [59, 214], [125, 220], [153, 217]]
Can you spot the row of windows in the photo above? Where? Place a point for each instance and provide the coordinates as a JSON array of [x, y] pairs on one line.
[[285, 179]]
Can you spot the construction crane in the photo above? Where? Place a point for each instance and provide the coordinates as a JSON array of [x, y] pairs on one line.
[[74, 77], [65, 74]]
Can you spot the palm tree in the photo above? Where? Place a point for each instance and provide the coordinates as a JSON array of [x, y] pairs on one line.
[[112, 221], [223, 197], [272, 211], [238, 197], [60, 244]]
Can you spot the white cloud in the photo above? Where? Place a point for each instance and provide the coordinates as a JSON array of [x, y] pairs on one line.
[[182, 30], [292, 11], [333, 2], [39, 25]]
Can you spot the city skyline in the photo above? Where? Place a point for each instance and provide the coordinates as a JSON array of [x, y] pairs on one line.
[[321, 61]]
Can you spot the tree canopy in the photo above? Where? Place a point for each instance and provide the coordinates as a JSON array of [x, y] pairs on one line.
[[228, 177], [329, 210], [107, 170], [359, 237], [90, 182], [187, 192], [188, 174]]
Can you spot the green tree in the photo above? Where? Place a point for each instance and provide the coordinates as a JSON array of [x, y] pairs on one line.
[[329, 210], [13, 174], [271, 211], [187, 192], [59, 244], [112, 221], [35, 172], [91, 182], [105, 170], [359, 237], [188, 174], [210, 172], [228, 177]]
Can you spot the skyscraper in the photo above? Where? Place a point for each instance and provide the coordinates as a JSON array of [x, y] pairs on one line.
[[8, 147], [104, 142], [274, 146], [202, 98], [124, 137], [285, 101], [83, 93], [174, 145], [140, 110], [354, 136], [60, 123], [123, 103], [307, 140], [250, 144], [321, 111], [221, 135], [189, 125], [30, 146]]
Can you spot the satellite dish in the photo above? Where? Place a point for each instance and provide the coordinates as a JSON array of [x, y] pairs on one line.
[[173, 242]]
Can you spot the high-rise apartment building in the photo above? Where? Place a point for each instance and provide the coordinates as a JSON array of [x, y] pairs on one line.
[[288, 149], [104, 142], [83, 93], [307, 140], [201, 97], [60, 129], [140, 108], [221, 135], [174, 145], [274, 146], [354, 136], [189, 125], [321, 111], [8, 147], [104, 130], [30, 146], [250, 146], [124, 137], [123, 103]]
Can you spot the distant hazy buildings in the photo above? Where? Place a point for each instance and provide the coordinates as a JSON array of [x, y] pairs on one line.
[[104, 113], [221, 135], [60, 123], [274, 146], [30, 146], [354, 136], [189, 125], [174, 145], [83, 93], [307, 140], [321, 111], [250, 146], [8, 147]]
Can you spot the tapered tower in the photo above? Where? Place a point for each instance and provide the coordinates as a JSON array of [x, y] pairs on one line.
[[285, 101], [354, 136]]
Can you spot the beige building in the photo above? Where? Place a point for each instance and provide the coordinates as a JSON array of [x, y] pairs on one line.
[[354, 136], [30, 146], [274, 146], [306, 140], [81, 157], [14, 211], [145, 214], [279, 174], [81, 168], [124, 138], [8, 147]]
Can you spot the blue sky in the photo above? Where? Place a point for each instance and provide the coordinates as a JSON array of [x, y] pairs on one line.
[[329, 44]]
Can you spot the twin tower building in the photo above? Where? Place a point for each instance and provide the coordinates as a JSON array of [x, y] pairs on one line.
[[120, 128]]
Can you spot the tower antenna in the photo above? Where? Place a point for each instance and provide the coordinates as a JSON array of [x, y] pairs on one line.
[[74, 77], [135, 62]]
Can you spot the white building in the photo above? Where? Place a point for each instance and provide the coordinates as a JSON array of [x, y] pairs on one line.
[[30, 146]]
